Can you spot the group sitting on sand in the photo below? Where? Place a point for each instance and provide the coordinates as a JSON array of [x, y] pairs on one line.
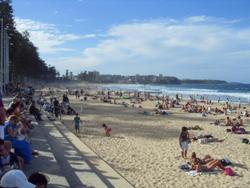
[[237, 122], [167, 103], [194, 107], [236, 125], [197, 164], [234, 122]]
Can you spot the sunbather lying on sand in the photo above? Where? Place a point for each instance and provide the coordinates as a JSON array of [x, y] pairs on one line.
[[204, 139], [237, 130], [206, 164], [161, 112], [196, 127]]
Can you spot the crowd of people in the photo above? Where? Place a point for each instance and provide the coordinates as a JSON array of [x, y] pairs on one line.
[[235, 124], [164, 103], [54, 106], [15, 143]]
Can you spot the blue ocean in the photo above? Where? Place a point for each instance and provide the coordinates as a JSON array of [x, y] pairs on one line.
[[233, 92]]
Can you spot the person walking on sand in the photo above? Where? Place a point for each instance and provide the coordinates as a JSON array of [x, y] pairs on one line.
[[77, 121], [184, 140]]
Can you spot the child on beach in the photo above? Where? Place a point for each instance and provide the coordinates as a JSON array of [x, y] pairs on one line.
[[77, 121], [106, 129], [184, 140]]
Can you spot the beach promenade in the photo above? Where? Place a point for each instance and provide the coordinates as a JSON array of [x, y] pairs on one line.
[[67, 161]]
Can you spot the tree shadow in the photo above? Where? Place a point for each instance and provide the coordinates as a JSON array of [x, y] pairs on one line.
[[130, 121]]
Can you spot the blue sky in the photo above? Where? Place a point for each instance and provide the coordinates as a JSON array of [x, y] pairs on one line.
[[185, 38]]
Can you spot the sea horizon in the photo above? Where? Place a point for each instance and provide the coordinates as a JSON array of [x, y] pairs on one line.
[[231, 92]]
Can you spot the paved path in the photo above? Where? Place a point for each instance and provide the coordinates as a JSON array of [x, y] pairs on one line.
[[46, 161], [68, 161]]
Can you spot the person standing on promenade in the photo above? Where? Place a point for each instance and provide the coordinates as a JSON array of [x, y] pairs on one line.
[[56, 107]]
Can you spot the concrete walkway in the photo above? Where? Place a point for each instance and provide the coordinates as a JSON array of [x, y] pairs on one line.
[[68, 161], [46, 161]]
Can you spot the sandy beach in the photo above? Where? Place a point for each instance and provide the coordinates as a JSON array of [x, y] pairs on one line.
[[145, 150]]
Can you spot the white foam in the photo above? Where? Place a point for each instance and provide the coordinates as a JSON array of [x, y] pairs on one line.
[[172, 90]]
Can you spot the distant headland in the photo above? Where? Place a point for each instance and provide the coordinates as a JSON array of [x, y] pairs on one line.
[[96, 77]]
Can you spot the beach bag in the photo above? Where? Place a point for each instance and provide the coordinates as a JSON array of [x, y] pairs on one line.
[[229, 171], [226, 162], [185, 167], [245, 140]]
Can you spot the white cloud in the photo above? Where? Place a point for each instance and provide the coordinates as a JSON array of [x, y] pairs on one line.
[[194, 47], [196, 19], [199, 42], [47, 37], [211, 20], [154, 39]]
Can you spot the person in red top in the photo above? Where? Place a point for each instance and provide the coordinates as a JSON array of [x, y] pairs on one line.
[[106, 129]]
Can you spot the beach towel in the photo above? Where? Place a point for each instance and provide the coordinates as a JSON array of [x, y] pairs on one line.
[[194, 173], [203, 140]]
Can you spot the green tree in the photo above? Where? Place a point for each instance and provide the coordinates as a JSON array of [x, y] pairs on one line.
[[24, 56]]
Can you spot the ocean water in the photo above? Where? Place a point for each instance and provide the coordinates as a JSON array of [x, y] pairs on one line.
[[232, 92]]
